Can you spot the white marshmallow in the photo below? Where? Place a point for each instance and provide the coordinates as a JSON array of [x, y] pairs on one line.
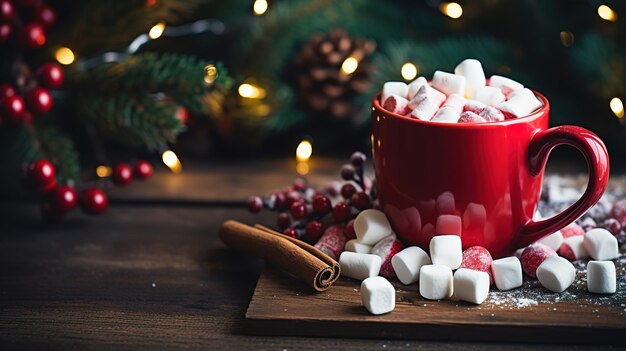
[[456, 102], [426, 92], [506, 85], [358, 265], [371, 226], [446, 250], [573, 248], [470, 117], [446, 115], [414, 86], [355, 246], [553, 240], [394, 88], [507, 273], [520, 103], [489, 95], [424, 111], [601, 278], [556, 273], [408, 262], [474, 75], [448, 83], [471, 286], [378, 295], [435, 282], [474, 106], [601, 244], [491, 114]]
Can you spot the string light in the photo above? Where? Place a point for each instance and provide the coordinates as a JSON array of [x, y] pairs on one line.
[[260, 6], [304, 151], [617, 107], [408, 71], [302, 168], [156, 31], [567, 38], [349, 65], [210, 73], [607, 13], [171, 161], [451, 9], [103, 171], [251, 91], [65, 56]]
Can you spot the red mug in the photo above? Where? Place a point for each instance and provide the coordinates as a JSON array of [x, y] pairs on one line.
[[483, 180]]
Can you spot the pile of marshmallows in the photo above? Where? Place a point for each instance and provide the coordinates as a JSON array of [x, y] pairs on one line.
[[464, 97], [376, 250]]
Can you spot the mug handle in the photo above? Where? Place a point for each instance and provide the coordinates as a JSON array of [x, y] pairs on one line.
[[597, 158]]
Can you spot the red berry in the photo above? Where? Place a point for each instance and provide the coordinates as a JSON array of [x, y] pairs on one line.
[[7, 11], [612, 225], [299, 184], [122, 174], [45, 15], [93, 201], [347, 190], [7, 90], [361, 201], [348, 230], [314, 230], [347, 172], [278, 200], [33, 35], [283, 221], [13, 107], [5, 32], [358, 159], [40, 100], [619, 212], [63, 198], [321, 204], [341, 212], [143, 169], [182, 115], [41, 175], [291, 197], [298, 210], [255, 204], [291, 232], [51, 75]]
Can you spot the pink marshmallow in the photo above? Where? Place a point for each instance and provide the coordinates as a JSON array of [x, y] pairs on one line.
[[471, 117], [474, 106], [491, 114], [386, 249], [397, 104], [533, 256]]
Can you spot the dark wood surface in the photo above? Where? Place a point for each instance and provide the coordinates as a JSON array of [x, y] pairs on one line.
[[152, 274]]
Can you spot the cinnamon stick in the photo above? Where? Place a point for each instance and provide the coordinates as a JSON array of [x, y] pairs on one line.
[[296, 257]]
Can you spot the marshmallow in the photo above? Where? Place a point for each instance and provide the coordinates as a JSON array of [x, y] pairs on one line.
[[601, 277], [491, 96], [426, 103], [415, 86], [470, 117], [378, 295], [474, 106], [572, 229], [408, 262], [397, 104], [359, 266], [600, 244], [446, 250], [394, 88], [491, 114], [474, 75], [521, 103], [386, 249], [471, 286], [506, 85], [425, 110], [479, 259], [456, 102], [573, 248], [355, 246], [446, 115], [552, 241], [533, 256], [556, 274], [507, 273], [371, 226], [435, 282], [448, 83], [448, 224]]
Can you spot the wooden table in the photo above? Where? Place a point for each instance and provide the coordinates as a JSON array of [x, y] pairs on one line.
[[151, 273]]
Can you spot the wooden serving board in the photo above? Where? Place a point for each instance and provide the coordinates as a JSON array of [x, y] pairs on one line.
[[283, 306]]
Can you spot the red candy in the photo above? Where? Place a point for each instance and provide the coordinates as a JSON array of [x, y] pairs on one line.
[[479, 259], [619, 212], [572, 229], [332, 241], [533, 256], [386, 249]]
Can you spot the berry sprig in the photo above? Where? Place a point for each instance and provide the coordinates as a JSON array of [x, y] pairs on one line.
[[305, 212]]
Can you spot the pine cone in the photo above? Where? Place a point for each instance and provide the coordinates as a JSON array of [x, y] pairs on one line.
[[321, 84]]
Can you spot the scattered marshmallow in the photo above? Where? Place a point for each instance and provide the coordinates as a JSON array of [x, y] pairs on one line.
[[474, 75], [371, 226], [553, 240], [408, 262], [397, 104], [446, 115], [394, 88], [520, 103], [435, 282], [491, 114], [573, 248], [506, 85], [355, 246], [359, 266], [491, 96], [479, 259], [471, 286], [446, 250], [448, 83], [507, 273], [456, 102], [572, 229], [556, 274], [448, 224], [414, 86], [601, 278], [378, 295], [386, 249], [533, 256], [601, 244], [470, 117]]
